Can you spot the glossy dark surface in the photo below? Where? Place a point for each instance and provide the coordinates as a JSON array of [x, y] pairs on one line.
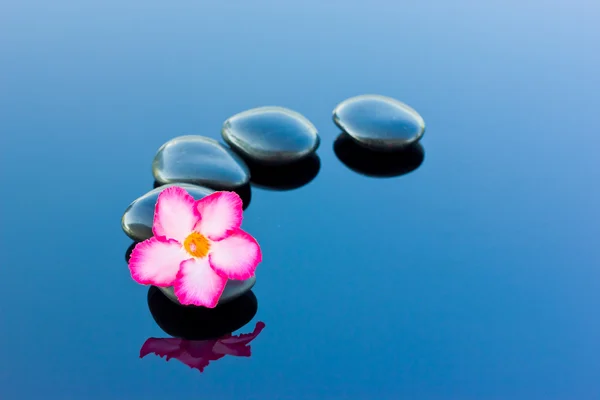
[[475, 276], [199, 323], [271, 135], [201, 161], [376, 163]]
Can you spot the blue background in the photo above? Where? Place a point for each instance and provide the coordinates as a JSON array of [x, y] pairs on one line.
[[473, 277]]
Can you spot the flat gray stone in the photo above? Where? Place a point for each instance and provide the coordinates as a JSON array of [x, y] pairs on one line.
[[378, 122], [201, 161], [138, 217], [271, 135], [233, 290]]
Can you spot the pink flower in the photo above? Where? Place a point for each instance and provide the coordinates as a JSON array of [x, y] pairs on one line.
[[196, 247], [199, 353]]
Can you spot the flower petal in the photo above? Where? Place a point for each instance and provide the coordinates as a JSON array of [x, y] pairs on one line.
[[175, 214], [197, 284], [156, 261], [219, 212], [236, 256]]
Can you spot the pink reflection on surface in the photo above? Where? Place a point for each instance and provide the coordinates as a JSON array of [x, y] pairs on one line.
[[199, 353]]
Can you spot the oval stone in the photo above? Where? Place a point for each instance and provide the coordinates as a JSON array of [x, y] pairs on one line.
[[271, 135], [379, 122], [201, 161], [233, 290], [138, 217]]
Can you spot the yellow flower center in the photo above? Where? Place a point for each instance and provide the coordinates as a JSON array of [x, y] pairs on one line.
[[196, 244]]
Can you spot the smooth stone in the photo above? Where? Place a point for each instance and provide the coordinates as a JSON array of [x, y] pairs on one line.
[[201, 161], [379, 122], [244, 192], [271, 135], [138, 217], [233, 290]]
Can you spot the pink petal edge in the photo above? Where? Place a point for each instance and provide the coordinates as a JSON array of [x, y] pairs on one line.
[[197, 284], [220, 213], [156, 261], [175, 214], [236, 256]]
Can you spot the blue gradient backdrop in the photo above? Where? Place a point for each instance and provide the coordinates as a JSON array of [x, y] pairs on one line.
[[473, 277]]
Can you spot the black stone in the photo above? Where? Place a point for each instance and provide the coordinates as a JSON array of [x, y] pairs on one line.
[[201, 161], [196, 323], [379, 123], [271, 135]]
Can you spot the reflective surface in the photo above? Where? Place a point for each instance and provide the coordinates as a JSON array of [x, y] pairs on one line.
[[285, 177], [199, 323], [474, 276], [197, 354], [375, 163], [201, 335]]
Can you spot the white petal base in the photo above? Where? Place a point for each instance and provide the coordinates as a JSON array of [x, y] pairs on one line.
[[233, 290]]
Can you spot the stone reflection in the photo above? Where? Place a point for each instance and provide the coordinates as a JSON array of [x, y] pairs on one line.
[[284, 177], [201, 335], [377, 164]]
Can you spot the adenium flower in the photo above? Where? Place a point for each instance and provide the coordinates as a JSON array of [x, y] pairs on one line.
[[199, 353], [196, 247]]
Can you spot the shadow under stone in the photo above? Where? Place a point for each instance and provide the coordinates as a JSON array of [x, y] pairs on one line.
[[199, 323], [377, 164], [284, 177]]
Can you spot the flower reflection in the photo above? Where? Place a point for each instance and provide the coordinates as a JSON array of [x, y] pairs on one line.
[[201, 335], [198, 354]]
